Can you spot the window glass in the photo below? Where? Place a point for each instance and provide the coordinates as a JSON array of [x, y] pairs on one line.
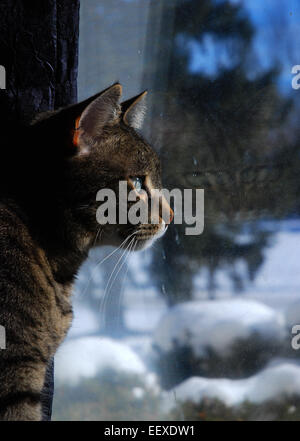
[[199, 326]]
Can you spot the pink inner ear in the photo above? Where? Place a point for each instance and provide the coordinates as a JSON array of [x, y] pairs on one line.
[[76, 132]]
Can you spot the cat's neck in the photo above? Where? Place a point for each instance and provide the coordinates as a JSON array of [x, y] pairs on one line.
[[58, 235], [66, 246]]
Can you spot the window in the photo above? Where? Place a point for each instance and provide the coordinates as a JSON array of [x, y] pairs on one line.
[[197, 327]]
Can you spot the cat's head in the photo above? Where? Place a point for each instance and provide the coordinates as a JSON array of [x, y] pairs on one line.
[[100, 148]]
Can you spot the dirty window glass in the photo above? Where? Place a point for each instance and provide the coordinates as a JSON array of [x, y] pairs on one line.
[[200, 326]]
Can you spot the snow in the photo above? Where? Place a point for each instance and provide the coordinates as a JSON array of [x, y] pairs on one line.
[[86, 357], [217, 324], [269, 307], [271, 383]]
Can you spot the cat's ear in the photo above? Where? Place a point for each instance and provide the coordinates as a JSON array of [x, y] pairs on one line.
[[94, 114], [133, 110], [78, 126]]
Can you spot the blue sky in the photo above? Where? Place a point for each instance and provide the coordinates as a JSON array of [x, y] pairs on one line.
[[277, 32]]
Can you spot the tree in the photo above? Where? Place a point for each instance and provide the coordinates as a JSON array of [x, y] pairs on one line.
[[39, 51], [223, 129]]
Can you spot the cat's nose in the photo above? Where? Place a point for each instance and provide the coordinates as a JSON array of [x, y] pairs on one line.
[[167, 212]]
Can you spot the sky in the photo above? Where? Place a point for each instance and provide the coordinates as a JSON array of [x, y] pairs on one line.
[[277, 30]]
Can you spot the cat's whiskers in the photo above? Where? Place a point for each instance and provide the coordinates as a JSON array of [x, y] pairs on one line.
[[153, 246], [96, 237], [82, 207], [129, 249], [82, 294], [108, 285], [124, 278]]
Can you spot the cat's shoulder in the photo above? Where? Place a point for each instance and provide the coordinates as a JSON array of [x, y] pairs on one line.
[[12, 223]]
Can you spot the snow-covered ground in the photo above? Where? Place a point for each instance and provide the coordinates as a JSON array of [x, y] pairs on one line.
[[271, 383], [86, 357], [269, 307], [218, 324]]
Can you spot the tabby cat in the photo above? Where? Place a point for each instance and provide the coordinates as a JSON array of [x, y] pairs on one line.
[[49, 178]]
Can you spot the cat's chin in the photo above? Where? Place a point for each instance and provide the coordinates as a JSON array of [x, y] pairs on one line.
[[145, 240], [143, 244], [140, 239]]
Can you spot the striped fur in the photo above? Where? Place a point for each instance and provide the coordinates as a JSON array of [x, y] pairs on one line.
[[50, 173]]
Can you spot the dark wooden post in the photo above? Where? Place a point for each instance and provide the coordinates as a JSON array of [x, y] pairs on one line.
[[39, 52]]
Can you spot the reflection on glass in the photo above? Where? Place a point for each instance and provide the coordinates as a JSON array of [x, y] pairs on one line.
[[197, 327]]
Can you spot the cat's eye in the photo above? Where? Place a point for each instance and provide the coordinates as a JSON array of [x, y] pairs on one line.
[[137, 183]]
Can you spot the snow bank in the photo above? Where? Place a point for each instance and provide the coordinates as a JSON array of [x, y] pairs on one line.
[[271, 383], [217, 324], [88, 356]]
